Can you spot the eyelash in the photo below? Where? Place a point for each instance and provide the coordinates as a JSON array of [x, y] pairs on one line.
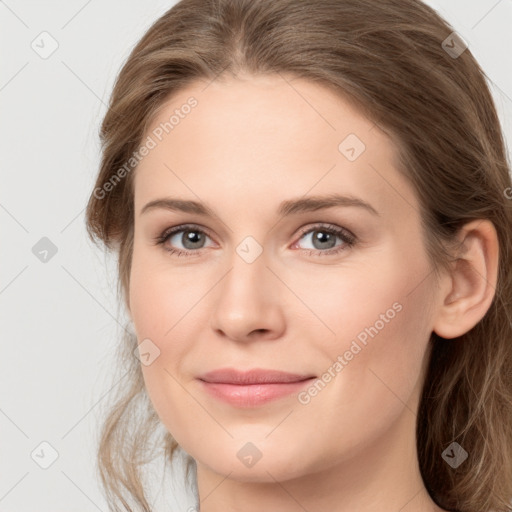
[[348, 239]]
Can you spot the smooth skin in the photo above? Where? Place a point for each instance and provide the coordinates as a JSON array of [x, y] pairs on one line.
[[249, 144]]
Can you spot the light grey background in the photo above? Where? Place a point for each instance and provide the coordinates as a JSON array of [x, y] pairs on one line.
[[60, 318]]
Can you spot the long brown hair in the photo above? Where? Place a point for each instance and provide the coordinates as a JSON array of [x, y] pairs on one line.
[[392, 59]]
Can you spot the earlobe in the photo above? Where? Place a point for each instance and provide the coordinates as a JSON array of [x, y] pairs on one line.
[[473, 280]]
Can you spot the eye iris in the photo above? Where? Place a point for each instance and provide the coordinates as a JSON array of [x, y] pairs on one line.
[[324, 237], [193, 237]]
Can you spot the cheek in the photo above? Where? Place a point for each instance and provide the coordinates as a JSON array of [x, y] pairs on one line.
[[381, 324], [382, 300], [161, 296], [369, 379], [170, 307], [161, 308], [158, 311]]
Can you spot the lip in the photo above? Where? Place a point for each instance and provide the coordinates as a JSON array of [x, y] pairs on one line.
[[253, 387]]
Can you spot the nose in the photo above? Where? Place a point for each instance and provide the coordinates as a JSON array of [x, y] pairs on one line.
[[248, 305]]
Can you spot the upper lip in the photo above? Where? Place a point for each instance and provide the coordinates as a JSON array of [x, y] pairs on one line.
[[253, 376]]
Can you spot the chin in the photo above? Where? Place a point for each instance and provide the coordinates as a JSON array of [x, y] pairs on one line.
[[257, 462]]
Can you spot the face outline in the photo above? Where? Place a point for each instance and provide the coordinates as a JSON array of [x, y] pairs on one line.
[[215, 310]]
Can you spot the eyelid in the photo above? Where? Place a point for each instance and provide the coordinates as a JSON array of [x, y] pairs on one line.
[[347, 237], [181, 227], [302, 231], [327, 226], [161, 239]]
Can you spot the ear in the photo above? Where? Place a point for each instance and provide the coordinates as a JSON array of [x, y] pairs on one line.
[[471, 285]]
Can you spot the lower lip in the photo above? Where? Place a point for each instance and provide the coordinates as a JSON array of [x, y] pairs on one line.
[[252, 395]]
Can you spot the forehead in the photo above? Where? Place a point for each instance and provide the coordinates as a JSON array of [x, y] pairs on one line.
[[265, 139]]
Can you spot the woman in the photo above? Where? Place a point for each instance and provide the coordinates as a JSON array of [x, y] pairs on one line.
[[310, 205]]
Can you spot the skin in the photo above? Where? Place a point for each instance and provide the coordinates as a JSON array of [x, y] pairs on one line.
[[250, 143]]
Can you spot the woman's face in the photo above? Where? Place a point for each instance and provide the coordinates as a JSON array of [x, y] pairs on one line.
[[273, 279]]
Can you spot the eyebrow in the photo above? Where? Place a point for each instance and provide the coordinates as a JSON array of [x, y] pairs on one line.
[[288, 207]]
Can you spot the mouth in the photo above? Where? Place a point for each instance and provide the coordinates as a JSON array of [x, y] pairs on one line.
[[252, 388]]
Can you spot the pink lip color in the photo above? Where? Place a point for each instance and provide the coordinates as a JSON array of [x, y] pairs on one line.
[[252, 388]]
